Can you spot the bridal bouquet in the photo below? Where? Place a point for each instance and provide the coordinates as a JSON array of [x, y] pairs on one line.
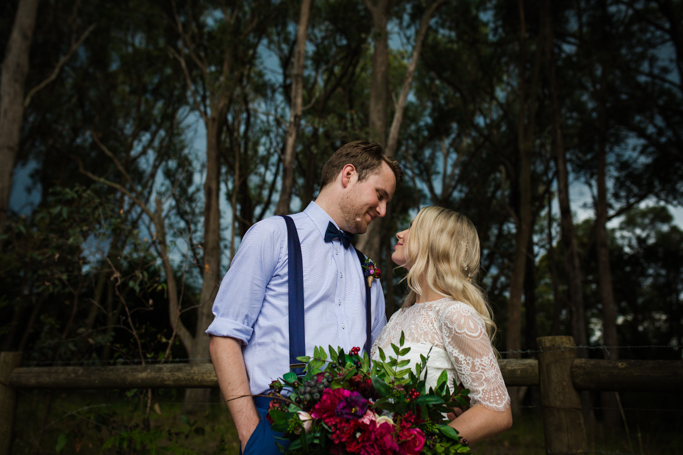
[[346, 405]]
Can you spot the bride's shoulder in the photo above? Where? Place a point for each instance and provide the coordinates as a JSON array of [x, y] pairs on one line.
[[457, 310]]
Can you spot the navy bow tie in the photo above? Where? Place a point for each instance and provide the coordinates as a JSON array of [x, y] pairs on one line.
[[334, 233]]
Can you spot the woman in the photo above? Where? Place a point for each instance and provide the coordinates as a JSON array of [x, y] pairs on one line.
[[447, 313]]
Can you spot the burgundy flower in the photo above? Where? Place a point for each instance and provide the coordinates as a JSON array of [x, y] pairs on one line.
[[353, 406], [378, 439], [411, 441], [325, 408]]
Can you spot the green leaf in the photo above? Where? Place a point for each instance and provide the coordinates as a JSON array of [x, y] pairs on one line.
[[403, 363], [449, 432], [289, 377], [461, 401], [61, 441], [280, 419], [429, 400], [404, 351], [402, 373], [382, 355], [185, 420], [380, 386], [304, 359], [395, 348], [352, 372], [333, 353], [443, 378], [403, 339]]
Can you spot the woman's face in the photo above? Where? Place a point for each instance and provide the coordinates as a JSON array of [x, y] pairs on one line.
[[399, 255]]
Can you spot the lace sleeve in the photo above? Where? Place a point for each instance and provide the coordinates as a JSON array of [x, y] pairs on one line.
[[469, 348]]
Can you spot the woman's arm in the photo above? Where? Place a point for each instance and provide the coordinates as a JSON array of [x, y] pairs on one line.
[[479, 423], [469, 349]]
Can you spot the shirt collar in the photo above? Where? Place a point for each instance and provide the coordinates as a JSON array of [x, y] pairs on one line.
[[319, 217]]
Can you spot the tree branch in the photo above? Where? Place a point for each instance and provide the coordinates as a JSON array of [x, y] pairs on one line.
[[58, 67]]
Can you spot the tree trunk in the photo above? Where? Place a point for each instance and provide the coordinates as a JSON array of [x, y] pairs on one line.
[[526, 126], [379, 89], [294, 112], [392, 142], [558, 302], [196, 400], [609, 313], [14, 71], [523, 218], [370, 242], [531, 332], [571, 254]]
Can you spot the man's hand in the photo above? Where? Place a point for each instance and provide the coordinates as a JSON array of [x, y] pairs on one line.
[[248, 428], [226, 355]]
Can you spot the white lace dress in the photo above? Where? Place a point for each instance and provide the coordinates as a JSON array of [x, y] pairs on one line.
[[457, 337]]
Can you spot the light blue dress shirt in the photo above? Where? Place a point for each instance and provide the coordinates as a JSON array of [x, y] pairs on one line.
[[252, 302]]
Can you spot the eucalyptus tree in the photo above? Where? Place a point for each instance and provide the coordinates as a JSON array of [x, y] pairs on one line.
[[217, 47], [415, 19], [294, 111]]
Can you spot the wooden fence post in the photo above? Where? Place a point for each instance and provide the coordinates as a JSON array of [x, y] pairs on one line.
[[8, 399], [563, 426]]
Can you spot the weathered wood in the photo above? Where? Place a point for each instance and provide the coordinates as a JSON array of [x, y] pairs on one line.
[[116, 377], [8, 399], [563, 424], [586, 374], [519, 372], [618, 375]]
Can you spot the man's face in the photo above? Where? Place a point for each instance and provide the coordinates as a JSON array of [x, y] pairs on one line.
[[364, 201]]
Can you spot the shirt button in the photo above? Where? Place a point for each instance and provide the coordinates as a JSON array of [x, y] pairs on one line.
[[339, 302], [343, 326], [341, 275], [336, 251]]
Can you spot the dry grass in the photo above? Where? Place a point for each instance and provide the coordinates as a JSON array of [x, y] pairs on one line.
[[85, 422]]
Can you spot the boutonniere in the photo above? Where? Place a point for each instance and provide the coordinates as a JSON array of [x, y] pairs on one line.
[[371, 271]]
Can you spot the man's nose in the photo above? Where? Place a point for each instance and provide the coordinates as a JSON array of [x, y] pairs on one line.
[[382, 209]]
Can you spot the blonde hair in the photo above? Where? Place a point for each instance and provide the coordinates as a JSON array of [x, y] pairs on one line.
[[443, 250]]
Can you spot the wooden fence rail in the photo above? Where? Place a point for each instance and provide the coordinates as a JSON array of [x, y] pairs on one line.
[[559, 374]]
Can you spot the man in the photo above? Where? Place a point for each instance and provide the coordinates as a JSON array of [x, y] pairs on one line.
[[250, 332]]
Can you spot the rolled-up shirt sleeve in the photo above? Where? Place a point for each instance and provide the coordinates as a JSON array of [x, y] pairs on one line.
[[242, 291]]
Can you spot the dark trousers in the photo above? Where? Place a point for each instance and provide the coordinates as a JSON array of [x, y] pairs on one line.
[[262, 440]]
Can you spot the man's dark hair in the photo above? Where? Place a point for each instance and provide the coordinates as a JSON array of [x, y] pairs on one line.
[[366, 157]]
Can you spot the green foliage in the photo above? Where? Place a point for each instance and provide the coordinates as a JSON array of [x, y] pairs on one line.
[[396, 391]]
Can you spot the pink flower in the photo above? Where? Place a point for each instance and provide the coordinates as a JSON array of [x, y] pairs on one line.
[[368, 417]]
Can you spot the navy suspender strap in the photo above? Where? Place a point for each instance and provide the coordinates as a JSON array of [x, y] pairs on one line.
[[295, 272], [368, 305]]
